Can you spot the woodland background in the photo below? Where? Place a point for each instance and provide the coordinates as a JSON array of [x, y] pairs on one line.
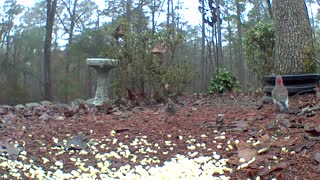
[[43, 49]]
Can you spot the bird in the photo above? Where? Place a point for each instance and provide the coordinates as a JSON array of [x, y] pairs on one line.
[[170, 109], [280, 95]]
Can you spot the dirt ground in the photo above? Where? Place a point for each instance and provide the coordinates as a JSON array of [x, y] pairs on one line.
[[256, 141]]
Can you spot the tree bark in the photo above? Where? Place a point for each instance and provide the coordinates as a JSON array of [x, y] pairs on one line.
[[219, 31], [51, 11], [229, 36], [294, 50], [239, 50], [153, 14], [269, 8], [69, 29], [203, 44]]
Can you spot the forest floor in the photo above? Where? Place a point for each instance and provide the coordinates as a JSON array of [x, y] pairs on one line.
[[230, 136]]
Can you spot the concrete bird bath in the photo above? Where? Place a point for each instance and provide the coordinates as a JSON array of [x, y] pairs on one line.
[[102, 67]]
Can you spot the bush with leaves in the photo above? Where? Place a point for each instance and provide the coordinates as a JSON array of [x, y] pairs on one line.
[[258, 46], [179, 77], [222, 81], [150, 77], [141, 72]]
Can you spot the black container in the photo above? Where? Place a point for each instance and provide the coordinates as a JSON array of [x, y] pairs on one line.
[[296, 84]]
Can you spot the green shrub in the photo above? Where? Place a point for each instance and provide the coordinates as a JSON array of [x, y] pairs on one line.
[[258, 47], [223, 81], [179, 77]]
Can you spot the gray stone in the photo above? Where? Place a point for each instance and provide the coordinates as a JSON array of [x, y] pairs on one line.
[[46, 103], [19, 107], [32, 105], [63, 106], [90, 101], [77, 102]]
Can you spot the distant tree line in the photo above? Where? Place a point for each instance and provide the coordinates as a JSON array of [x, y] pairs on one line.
[[43, 49]]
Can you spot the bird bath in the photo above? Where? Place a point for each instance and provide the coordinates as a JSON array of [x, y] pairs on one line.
[[102, 67]]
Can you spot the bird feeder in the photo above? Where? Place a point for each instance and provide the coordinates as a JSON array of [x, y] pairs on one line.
[[159, 50], [102, 66]]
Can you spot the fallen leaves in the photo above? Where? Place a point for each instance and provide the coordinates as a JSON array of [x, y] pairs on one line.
[[269, 169], [211, 138], [246, 152]]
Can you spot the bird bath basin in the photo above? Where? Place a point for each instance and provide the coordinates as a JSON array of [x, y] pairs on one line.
[[102, 67]]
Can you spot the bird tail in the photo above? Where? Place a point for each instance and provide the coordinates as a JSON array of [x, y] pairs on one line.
[[285, 107]]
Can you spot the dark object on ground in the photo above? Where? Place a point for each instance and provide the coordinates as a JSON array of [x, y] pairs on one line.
[[169, 109], [296, 84]]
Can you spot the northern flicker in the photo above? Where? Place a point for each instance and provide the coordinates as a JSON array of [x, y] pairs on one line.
[[280, 95], [170, 109]]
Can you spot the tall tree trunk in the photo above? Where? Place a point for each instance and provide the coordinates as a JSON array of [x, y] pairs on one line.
[[168, 13], [8, 70], [170, 30], [203, 35], [173, 33], [128, 80], [269, 8], [229, 37], [257, 5], [128, 10], [51, 11], [241, 71], [70, 31], [294, 50], [219, 31], [153, 14], [313, 26], [8, 66], [210, 57]]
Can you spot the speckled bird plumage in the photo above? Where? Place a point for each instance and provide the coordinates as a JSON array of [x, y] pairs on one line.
[[280, 95], [170, 109]]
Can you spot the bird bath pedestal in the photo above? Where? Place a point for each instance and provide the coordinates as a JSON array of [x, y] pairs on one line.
[[102, 67]]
